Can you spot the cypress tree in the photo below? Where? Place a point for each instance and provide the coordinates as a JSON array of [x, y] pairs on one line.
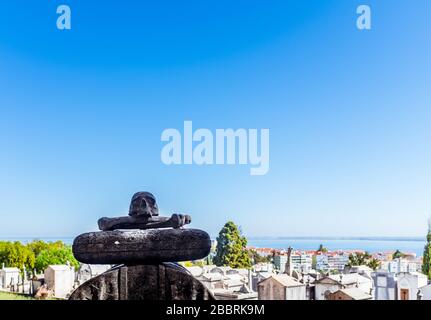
[[231, 248], [426, 266]]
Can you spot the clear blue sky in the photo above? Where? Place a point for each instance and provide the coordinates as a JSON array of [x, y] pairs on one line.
[[81, 113]]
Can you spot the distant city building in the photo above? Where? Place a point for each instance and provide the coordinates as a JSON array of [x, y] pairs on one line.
[[264, 252], [383, 256], [401, 265], [300, 261], [280, 262], [332, 261], [409, 256]]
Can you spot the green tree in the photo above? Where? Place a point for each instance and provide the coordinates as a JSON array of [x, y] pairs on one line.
[[15, 254], [363, 259], [397, 254], [426, 266], [374, 264], [231, 248], [314, 262], [37, 246], [257, 258], [3, 251], [322, 249], [53, 256], [358, 259]]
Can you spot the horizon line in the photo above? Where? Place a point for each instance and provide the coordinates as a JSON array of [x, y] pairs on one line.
[[381, 238]]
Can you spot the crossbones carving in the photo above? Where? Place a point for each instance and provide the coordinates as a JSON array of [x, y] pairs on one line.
[[143, 214]]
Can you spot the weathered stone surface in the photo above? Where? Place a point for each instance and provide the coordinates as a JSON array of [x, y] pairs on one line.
[[176, 221], [141, 246], [143, 214], [145, 251], [143, 204], [167, 281]]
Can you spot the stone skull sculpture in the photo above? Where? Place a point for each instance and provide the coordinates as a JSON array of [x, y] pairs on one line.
[[143, 204], [143, 214]]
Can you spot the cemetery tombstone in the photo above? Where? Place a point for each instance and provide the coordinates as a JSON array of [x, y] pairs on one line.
[[145, 249]]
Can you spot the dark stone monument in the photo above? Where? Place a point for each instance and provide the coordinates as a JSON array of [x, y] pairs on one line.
[[146, 248], [166, 281], [143, 214], [141, 246]]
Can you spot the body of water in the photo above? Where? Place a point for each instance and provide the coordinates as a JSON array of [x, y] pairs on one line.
[[370, 245]]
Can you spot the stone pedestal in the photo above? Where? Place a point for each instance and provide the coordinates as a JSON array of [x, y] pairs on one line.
[[147, 268], [166, 281], [152, 246]]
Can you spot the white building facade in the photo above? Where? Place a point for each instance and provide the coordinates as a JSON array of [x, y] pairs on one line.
[[331, 261], [9, 278], [60, 279], [409, 284]]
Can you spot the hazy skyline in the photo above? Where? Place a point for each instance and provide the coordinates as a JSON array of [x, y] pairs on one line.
[[349, 114]]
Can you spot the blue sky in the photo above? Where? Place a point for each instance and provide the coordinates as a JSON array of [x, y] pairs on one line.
[[82, 111]]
